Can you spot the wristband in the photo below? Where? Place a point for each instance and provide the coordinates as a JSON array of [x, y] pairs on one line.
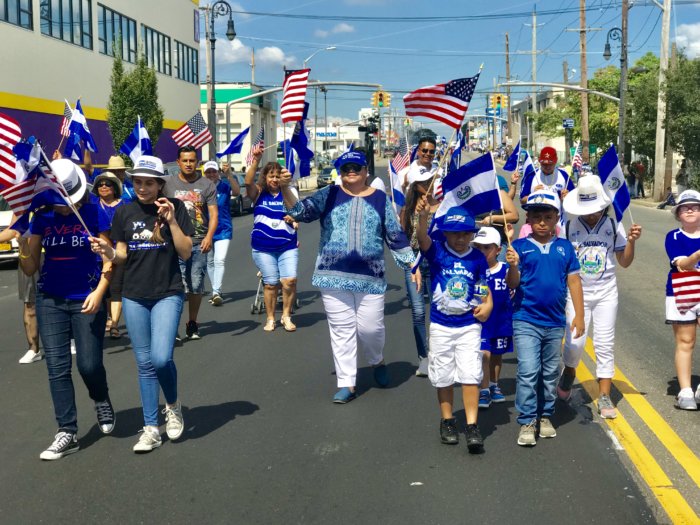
[[114, 255]]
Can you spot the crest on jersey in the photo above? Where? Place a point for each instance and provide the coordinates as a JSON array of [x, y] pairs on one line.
[[456, 288]]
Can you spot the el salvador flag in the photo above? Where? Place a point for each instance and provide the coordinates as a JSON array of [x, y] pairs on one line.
[[79, 130], [138, 143], [512, 162], [399, 197], [236, 145], [528, 174], [455, 160], [289, 160], [613, 180]]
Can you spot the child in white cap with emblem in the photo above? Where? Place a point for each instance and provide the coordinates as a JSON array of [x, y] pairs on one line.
[[600, 244]]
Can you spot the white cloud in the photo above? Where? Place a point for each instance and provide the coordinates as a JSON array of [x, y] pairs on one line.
[[237, 52], [338, 28], [688, 37]]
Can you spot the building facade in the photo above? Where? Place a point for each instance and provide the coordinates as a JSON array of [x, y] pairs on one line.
[[58, 50], [530, 139]]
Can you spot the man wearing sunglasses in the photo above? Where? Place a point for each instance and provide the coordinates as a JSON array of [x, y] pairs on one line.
[[423, 167]]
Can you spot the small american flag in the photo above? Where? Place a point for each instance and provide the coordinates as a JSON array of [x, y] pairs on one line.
[[10, 135], [67, 115], [259, 141], [438, 194], [194, 132], [577, 161], [446, 103], [402, 158], [294, 94], [686, 289]]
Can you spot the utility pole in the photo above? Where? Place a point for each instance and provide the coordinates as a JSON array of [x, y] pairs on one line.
[[566, 72], [252, 66], [584, 84], [668, 174], [659, 167], [623, 84], [211, 111], [509, 114], [531, 124]]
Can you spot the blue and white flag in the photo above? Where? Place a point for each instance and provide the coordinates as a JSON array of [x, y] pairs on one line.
[[399, 198], [455, 160], [79, 131], [414, 152], [138, 143], [613, 180], [528, 173], [512, 162], [301, 143], [289, 157], [236, 145]]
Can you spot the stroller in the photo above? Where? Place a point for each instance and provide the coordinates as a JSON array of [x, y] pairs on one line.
[[258, 305]]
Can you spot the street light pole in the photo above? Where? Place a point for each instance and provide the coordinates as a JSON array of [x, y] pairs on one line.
[[620, 34], [212, 11]]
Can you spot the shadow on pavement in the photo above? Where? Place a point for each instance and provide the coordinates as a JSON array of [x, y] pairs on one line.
[[234, 327], [674, 387], [203, 420], [399, 373], [308, 319]]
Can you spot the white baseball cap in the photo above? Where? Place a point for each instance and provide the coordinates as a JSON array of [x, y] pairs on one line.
[[210, 165], [487, 235]]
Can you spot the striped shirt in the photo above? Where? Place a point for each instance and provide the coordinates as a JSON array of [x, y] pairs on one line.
[[270, 232]]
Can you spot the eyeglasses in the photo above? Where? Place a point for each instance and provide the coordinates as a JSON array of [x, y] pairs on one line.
[[428, 151], [351, 166], [688, 208], [103, 184]]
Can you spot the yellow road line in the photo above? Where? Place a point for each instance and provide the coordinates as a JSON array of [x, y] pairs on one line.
[[657, 424], [670, 499]]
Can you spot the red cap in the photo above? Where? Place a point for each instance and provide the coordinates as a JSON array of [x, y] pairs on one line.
[[548, 155]]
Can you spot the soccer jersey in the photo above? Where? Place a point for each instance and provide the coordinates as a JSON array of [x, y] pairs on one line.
[[679, 244], [500, 322], [270, 232], [595, 247], [544, 268], [452, 279], [557, 181]]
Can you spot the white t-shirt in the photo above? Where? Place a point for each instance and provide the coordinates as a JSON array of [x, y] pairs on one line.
[[595, 247]]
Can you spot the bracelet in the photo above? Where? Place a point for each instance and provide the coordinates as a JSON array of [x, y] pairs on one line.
[[21, 256], [114, 255]]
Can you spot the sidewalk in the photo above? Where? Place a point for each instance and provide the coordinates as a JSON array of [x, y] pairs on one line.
[[648, 203]]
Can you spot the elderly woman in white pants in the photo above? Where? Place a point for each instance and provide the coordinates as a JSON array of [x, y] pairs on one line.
[[356, 221]]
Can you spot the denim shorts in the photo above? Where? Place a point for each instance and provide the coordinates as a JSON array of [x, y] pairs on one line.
[[277, 265], [193, 271]]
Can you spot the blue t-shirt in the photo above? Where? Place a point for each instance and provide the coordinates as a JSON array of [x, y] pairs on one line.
[[679, 244], [71, 270], [452, 280], [500, 322], [541, 297], [110, 210], [224, 229]]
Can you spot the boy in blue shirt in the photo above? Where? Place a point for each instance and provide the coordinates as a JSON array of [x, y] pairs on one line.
[[456, 314], [541, 268]]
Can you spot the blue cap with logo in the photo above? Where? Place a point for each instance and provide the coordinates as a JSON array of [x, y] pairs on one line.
[[351, 157], [457, 219]]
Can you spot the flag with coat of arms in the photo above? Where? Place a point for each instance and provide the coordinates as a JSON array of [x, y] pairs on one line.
[[614, 184]]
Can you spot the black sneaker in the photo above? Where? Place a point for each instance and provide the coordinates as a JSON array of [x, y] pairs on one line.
[[475, 443], [105, 416], [192, 330], [448, 431], [64, 443]]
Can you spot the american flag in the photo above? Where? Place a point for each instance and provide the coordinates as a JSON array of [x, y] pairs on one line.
[[577, 161], [438, 194], [259, 141], [446, 103], [402, 158], [10, 135], [686, 289], [294, 94], [67, 115], [194, 132]]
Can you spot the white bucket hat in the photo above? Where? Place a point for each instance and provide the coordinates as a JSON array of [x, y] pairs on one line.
[[72, 178], [589, 197]]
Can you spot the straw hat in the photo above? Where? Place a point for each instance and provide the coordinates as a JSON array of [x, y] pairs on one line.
[[115, 163], [111, 178]]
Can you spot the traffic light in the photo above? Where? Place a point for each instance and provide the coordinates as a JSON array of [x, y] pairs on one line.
[[498, 101], [380, 99], [387, 99], [375, 96]]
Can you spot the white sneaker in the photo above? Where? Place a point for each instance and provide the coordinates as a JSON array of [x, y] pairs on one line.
[[174, 423], [422, 367], [72, 346], [686, 400], [697, 393], [31, 357], [149, 439]]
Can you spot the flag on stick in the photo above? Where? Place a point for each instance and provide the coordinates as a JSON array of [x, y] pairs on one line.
[[512, 162], [259, 141], [194, 132], [78, 131], [294, 94], [402, 158], [686, 290], [236, 145], [577, 161], [614, 182], [138, 143], [10, 135], [446, 103], [398, 198], [67, 115]]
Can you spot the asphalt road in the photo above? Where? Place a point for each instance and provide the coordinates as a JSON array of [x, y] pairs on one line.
[[264, 443]]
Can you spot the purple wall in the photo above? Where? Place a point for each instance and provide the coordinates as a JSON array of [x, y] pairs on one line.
[[45, 127]]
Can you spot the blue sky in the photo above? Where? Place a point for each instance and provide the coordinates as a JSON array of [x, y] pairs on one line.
[[403, 55]]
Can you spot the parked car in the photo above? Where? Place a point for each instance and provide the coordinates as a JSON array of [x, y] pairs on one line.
[[326, 177], [9, 251], [241, 203]]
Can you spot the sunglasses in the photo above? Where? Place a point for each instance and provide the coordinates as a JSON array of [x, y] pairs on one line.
[[103, 184], [347, 168], [428, 151]]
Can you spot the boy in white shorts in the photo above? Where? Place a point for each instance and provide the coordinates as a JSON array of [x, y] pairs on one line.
[[456, 315], [683, 249], [600, 244]]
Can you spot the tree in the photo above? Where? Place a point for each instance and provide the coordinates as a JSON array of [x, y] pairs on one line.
[[640, 120], [133, 93], [682, 94]]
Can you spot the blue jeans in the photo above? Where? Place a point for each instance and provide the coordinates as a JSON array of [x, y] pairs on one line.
[[539, 351], [193, 271], [417, 301], [152, 326], [216, 260], [60, 319]]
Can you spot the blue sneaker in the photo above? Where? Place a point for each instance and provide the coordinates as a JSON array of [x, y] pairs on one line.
[[381, 375], [496, 394], [484, 398], [344, 395]]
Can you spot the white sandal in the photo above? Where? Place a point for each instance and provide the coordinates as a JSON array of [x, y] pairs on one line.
[[289, 326], [269, 325]]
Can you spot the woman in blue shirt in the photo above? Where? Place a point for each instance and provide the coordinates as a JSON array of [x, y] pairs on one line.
[[356, 221], [72, 283]]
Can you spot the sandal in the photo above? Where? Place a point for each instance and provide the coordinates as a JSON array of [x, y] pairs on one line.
[[288, 324], [108, 325], [114, 333], [269, 325]]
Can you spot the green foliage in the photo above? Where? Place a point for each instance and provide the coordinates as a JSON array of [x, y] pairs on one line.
[[642, 93], [133, 93], [683, 118]]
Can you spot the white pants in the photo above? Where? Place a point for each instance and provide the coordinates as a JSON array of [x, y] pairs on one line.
[[600, 305], [216, 259], [354, 317], [455, 355]]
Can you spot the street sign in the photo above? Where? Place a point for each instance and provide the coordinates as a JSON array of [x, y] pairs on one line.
[[490, 112], [567, 123]]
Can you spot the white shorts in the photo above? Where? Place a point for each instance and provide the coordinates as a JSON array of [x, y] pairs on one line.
[[673, 316], [455, 355]]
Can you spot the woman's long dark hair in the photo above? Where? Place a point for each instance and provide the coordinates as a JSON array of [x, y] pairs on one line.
[[412, 196], [157, 236]]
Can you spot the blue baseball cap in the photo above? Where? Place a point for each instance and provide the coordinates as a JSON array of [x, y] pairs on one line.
[[457, 219], [351, 157], [542, 199]]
